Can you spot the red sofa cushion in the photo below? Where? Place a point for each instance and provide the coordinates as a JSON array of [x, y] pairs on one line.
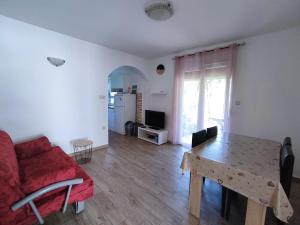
[[45, 169], [35, 173], [50, 203], [8, 196], [10, 190], [9, 168], [33, 147]]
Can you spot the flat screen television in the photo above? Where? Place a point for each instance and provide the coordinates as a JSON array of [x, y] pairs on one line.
[[154, 119]]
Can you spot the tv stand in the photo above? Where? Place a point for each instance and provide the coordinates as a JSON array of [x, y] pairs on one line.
[[154, 128], [154, 136]]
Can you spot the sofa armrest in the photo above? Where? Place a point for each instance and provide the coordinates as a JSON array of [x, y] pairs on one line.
[[33, 147], [29, 198]]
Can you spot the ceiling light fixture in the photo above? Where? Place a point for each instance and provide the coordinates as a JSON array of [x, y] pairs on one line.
[[161, 10]]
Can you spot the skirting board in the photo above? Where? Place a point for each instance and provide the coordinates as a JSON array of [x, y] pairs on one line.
[[101, 147], [296, 179]]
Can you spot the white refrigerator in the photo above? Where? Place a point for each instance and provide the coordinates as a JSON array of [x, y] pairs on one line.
[[124, 110]]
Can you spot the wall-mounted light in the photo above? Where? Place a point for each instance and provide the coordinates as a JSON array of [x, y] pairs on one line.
[[56, 61]]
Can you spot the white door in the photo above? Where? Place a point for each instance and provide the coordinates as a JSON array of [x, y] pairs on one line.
[[119, 119], [111, 119], [130, 106]]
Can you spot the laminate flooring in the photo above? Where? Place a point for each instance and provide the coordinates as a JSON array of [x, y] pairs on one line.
[[138, 183]]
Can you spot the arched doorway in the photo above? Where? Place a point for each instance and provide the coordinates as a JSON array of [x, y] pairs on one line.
[[126, 85]]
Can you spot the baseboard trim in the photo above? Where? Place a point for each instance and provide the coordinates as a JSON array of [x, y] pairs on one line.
[[101, 147], [296, 179]]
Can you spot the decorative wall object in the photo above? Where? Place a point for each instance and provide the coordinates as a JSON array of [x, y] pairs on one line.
[[134, 89], [139, 107], [160, 69], [56, 61]]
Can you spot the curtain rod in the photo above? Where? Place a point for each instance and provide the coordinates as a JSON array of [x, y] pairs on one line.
[[210, 50]]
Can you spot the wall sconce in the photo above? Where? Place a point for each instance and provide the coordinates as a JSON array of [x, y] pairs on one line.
[[56, 61]]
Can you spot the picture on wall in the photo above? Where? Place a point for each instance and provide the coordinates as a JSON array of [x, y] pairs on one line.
[[134, 89]]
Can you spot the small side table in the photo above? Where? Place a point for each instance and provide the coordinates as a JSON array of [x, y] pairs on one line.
[[83, 149]]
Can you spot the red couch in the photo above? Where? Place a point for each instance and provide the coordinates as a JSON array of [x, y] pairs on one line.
[[36, 173]]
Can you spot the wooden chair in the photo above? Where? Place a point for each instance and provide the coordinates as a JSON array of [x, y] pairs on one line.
[[198, 138], [287, 159], [226, 202], [287, 141], [212, 132]]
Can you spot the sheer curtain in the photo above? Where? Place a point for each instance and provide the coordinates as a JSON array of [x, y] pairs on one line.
[[202, 91]]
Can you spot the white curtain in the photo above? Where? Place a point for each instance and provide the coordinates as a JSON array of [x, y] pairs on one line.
[[202, 91]]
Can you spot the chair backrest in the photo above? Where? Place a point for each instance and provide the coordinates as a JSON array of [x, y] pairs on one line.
[[198, 138], [286, 168], [287, 141], [212, 132]]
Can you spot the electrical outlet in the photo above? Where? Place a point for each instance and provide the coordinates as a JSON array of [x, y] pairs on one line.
[[103, 127], [102, 97]]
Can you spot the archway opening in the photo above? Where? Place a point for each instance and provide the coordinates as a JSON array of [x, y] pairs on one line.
[[126, 85]]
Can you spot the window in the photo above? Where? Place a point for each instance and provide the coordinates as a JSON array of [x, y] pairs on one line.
[[203, 102], [214, 100]]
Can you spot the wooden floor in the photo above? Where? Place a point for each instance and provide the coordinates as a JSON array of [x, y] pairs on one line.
[[138, 183]]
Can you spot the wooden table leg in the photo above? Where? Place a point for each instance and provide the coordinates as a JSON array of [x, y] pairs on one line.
[[195, 194], [256, 213]]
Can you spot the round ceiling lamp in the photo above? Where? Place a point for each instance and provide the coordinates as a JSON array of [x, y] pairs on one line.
[[161, 10]]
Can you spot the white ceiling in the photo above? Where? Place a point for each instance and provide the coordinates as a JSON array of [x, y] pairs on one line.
[[122, 24]]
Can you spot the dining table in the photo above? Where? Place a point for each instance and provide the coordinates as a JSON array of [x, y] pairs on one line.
[[247, 165]]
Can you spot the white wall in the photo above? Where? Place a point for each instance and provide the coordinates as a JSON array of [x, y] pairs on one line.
[[116, 80], [267, 85], [62, 103], [124, 78], [159, 83]]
